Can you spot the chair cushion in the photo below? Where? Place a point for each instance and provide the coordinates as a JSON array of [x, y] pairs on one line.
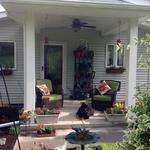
[[103, 87], [55, 97], [43, 89], [102, 98]]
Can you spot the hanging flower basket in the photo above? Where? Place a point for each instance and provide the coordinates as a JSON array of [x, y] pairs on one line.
[[114, 70]]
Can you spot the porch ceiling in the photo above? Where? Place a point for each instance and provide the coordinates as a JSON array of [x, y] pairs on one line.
[[64, 21], [104, 17]]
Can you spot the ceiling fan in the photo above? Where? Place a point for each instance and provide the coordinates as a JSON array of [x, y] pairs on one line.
[[77, 25]]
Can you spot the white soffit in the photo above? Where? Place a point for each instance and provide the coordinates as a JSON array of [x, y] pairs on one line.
[[139, 2], [3, 15]]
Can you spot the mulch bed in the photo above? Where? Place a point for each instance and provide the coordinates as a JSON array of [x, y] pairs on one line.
[[10, 140]]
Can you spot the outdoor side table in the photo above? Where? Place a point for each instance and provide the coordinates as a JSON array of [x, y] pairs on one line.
[[92, 138]]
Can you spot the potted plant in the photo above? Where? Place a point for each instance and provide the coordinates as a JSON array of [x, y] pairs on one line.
[[25, 115], [43, 130], [46, 115], [117, 113]]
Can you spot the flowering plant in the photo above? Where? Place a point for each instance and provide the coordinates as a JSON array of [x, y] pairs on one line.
[[118, 108], [46, 111], [25, 115], [42, 129]]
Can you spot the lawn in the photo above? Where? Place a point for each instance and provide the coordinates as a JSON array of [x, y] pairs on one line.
[[99, 147]]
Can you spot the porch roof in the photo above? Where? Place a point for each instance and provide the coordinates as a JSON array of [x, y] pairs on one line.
[[104, 14]]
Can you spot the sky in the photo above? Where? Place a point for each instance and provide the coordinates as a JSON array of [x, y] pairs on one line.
[[1, 8]]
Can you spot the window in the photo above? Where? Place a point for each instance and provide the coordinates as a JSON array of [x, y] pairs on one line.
[[7, 54], [114, 55]]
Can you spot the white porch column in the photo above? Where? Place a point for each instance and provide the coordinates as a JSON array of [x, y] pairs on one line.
[[132, 62], [29, 62]]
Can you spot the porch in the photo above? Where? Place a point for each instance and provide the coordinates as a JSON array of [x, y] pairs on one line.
[[110, 133], [53, 20]]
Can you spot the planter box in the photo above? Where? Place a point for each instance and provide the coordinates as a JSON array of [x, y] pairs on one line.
[[118, 118], [53, 118], [46, 134], [115, 70]]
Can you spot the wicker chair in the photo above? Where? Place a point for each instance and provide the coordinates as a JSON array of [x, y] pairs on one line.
[[102, 102], [51, 101]]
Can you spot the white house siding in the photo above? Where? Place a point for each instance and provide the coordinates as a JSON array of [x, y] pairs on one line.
[[97, 43], [11, 31], [141, 72], [37, 56]]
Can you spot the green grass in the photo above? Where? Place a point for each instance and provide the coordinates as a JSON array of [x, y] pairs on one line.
[[107, 146], [103, 146]]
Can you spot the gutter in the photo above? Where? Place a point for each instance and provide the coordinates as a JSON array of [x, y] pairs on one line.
[[78, 4]]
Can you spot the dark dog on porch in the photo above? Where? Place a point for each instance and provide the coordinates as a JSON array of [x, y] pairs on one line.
[[85, 111]]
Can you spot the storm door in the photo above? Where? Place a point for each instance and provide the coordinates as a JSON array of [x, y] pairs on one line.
[[53, 65]]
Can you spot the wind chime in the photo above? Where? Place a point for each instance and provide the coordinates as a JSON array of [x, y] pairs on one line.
[[118, 41]]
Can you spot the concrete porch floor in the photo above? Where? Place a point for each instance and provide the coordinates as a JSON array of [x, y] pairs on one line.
[[67, 119]]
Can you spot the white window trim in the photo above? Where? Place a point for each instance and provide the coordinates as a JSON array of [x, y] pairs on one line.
[[14, 68], [107, 55], [64, 46], [114, 56]]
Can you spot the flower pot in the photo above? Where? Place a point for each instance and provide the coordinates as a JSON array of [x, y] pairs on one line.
[[53, 118], [118, 118]]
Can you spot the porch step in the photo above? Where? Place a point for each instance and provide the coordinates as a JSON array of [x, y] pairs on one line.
[[67, 119], [73, 103]]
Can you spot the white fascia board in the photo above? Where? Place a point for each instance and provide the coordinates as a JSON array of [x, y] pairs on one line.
[[138, 2], [80, 4]]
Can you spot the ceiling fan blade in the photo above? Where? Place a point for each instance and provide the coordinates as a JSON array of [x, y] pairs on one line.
[[94, 27], [83, 23]]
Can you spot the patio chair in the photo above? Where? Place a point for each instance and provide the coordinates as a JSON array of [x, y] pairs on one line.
[[102, 102], [53, 100]]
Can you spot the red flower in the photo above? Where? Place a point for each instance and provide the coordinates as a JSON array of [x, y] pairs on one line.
[[41, 126]]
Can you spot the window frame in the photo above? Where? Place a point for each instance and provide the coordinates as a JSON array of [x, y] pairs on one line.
[[14, 42], [115, 65]]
